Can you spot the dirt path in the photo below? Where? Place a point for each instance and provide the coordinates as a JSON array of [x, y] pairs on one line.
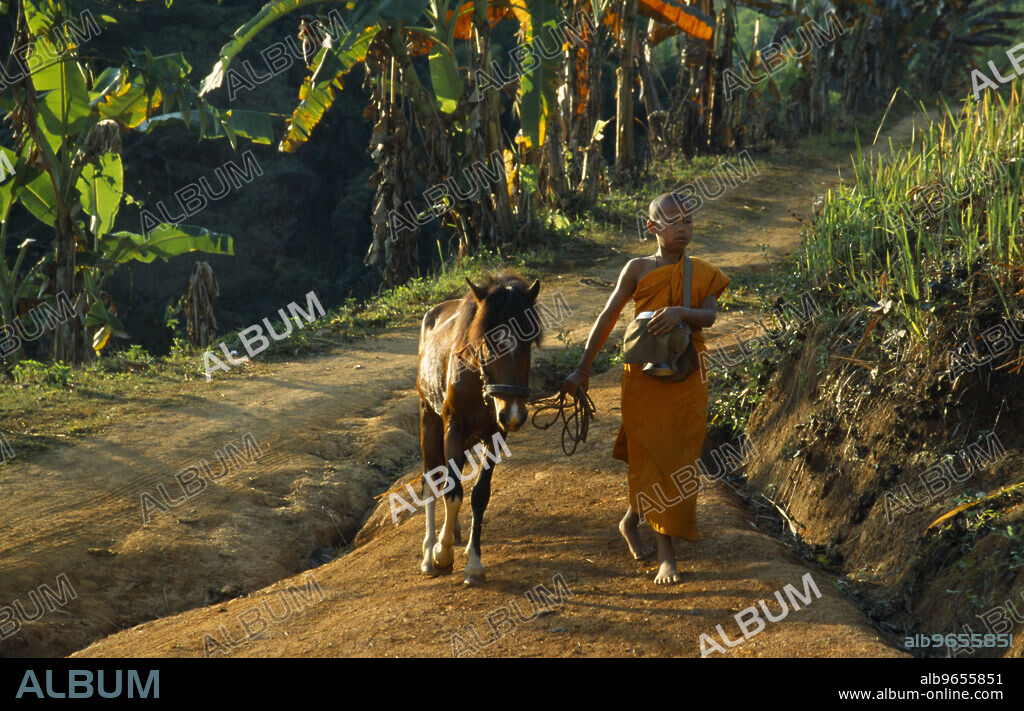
[[331, 432], [551, 518]]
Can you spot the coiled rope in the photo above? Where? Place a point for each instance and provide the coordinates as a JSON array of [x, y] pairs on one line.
[[576, 424]]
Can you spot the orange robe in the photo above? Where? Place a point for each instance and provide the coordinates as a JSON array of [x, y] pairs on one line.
[[664, 423]]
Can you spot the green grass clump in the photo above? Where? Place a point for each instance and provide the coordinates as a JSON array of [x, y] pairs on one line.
[[936, 227], [34, 372]]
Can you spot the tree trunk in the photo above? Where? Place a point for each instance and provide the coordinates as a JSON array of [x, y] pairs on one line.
[[201, 324], [689, 97], [593, 161], [490, 128], [69, 338], [579, 110], [625, 161], [395, 229], [721, 136], [656, 116], [680, 100], [558, 186]]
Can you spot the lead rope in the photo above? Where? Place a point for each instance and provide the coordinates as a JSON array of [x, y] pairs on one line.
[[583, 411]]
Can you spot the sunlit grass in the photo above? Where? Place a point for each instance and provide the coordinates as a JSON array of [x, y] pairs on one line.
[[937, 224]]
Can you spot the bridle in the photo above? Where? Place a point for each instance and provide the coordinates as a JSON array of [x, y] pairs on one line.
[[489, 389]]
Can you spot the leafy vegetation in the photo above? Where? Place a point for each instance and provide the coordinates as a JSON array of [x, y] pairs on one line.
[[428, 74], [934, 233], [66, 124]]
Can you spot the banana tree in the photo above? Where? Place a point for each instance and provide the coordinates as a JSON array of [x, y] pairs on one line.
[[578, 84], [385, 36], [66, 124], [454, 113], [625, 156]]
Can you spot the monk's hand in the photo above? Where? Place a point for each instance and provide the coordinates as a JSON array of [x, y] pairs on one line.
[[576, 380], [665, 319]]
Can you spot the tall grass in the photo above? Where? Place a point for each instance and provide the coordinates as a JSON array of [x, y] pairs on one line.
[[936, 224]]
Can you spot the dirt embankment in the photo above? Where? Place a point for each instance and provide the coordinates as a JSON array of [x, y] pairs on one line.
[[332, 432], [864, 457]]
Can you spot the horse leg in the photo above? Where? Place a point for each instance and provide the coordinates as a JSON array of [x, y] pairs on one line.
[[444, 549], [432, 446], [427, 564], [481, 495]]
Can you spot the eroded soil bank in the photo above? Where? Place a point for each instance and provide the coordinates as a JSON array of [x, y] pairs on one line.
[[865, 456]]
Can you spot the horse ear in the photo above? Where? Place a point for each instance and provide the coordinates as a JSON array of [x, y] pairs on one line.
[[535, 289], [479, 292]]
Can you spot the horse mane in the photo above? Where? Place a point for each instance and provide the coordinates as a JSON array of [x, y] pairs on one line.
[[508, 298]]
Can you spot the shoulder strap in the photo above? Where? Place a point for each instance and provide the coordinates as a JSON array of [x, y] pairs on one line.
[[687, 274]]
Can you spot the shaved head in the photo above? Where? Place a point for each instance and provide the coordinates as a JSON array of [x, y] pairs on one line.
[[669, 207]]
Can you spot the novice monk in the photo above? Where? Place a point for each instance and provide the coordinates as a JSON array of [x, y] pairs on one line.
[[663, 422]]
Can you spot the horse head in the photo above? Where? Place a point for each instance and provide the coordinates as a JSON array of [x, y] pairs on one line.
[[504, 328]]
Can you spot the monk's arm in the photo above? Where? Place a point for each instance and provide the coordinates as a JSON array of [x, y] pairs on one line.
[[669, 317], [623, 292], [609, 316]]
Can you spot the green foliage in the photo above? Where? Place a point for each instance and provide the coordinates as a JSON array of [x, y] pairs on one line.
[[539, 84], [34, 372], [268, 14], [68, 156], [932, 227], [164, 242], [317, 93], [133, 359], [732, 396], [444, 76]]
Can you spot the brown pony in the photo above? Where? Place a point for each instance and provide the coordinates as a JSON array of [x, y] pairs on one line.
[[474, 359]]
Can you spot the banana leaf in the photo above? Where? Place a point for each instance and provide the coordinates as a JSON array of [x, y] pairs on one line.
[[768, 8], [38, 16], [254, 125], [682, 18], [444, 77], [8, 180], [538, 86], [100, 188], [64, 105], [268, 14], [125, 101], [330, 66], [110, 325], [364, 14], [165, 241], [38, 197]]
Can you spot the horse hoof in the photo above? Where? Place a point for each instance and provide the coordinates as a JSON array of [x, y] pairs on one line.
[[443, 566], [475, 578], [427, 568]]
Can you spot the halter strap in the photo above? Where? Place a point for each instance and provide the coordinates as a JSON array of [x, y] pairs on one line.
[[490, 389], [502, 389]]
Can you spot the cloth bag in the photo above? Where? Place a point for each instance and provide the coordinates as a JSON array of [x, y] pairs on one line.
[[640, 346]]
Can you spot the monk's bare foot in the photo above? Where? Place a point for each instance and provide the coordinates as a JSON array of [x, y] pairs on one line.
[[668, 571], [638, 547]]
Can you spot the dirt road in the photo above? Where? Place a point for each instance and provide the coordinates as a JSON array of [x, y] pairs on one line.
[[332, 431]]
